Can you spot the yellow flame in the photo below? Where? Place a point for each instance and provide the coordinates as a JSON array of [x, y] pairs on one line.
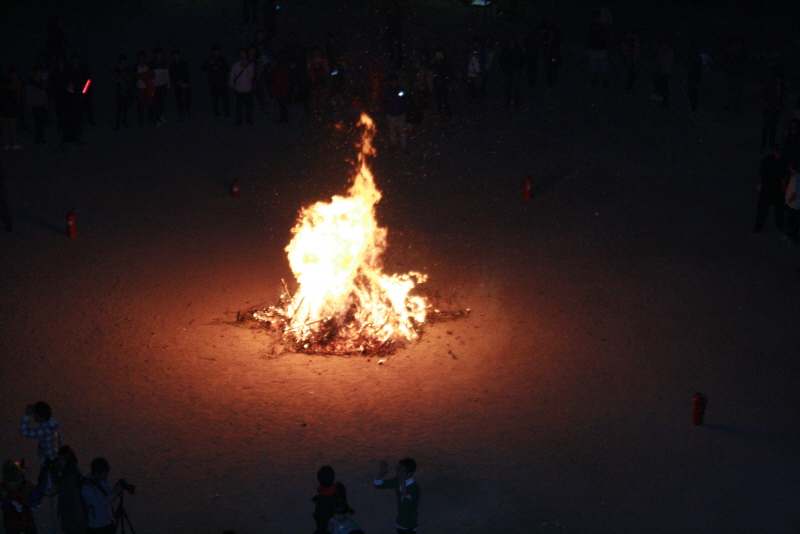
[[336, 257]]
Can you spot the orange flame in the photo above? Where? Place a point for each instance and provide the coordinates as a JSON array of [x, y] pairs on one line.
[[343, 295]]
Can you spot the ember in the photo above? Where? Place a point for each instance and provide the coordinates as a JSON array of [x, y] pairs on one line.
[[344, 303]]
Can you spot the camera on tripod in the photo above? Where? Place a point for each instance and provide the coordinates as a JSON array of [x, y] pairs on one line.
[[122, 483]]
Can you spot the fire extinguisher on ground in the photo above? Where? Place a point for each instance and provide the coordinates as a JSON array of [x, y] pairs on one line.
[[527, 189], [698, 408], [72, 230]]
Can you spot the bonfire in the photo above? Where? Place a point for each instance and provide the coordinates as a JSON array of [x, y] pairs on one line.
[[344, 302]]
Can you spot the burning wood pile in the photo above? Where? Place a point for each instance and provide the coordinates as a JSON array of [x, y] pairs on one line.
[[344, 303]]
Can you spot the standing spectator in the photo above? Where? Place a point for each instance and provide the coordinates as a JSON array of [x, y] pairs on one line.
[[694, 74], [793, 207], [475, 74], [54, 49], [19, 98], [532, 47], [632, 51], [791, 144], [56, 90], [161, 85], [512, 61], [395, 106], [598, 50], [406, 490], [774, 177], [5, 211], [179, 77], [280, 87], [254, 56], [664, 62], [47, 434], [70, 506], [442, 74], [771, 97], [98, 495], [123, 89], [18, 496], [551, 53], [330, 495], [8, 107], [735, 67], [295, 53], [217, 69], [37, 100], [318, 73], [79, 73], [241, 81], [73, 113], [423, 86], [144, 86], [377, 84]]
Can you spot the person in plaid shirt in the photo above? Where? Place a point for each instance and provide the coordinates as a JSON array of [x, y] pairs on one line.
[[47, 433]]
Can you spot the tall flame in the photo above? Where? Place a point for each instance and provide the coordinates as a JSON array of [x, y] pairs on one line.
[[343, 297]]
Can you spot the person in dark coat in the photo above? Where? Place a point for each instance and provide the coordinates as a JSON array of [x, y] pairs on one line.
[[179, 77], [70, 507], [772, 97], [5, 211], [330, 494], [217, 68], [774, 178], [72, 116], [512, 61], [281, 87]]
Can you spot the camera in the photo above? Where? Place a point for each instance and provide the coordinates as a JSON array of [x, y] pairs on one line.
[[122, 483]]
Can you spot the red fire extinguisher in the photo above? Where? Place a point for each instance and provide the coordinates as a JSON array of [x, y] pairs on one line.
[[698, 408], [527, 188], [72, 230], [235, 189]]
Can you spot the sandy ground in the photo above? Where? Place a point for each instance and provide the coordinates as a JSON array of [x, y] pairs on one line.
[[562, 404]]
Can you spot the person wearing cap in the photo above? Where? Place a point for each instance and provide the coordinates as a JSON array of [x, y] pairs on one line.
[[407, 493], [774, 177]]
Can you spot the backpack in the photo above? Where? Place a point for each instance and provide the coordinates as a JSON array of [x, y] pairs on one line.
[[16, 509]]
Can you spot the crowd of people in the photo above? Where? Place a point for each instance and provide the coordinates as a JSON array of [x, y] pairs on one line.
[[86, 503], [328, 82]]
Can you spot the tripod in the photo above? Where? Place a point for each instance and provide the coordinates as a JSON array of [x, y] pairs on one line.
[[121, 516]]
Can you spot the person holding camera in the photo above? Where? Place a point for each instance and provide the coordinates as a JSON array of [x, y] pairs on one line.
[[98, 496]]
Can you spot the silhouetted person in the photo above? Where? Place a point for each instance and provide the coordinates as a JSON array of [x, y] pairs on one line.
[[217, 68], [47, 433], [179, 76], [512, 61], [774, 176], [5, 211], [330, 495], [123, 89], [771, 97], [70, 506]]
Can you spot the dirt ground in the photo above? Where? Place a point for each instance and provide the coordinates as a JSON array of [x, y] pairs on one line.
[[562, 404]]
